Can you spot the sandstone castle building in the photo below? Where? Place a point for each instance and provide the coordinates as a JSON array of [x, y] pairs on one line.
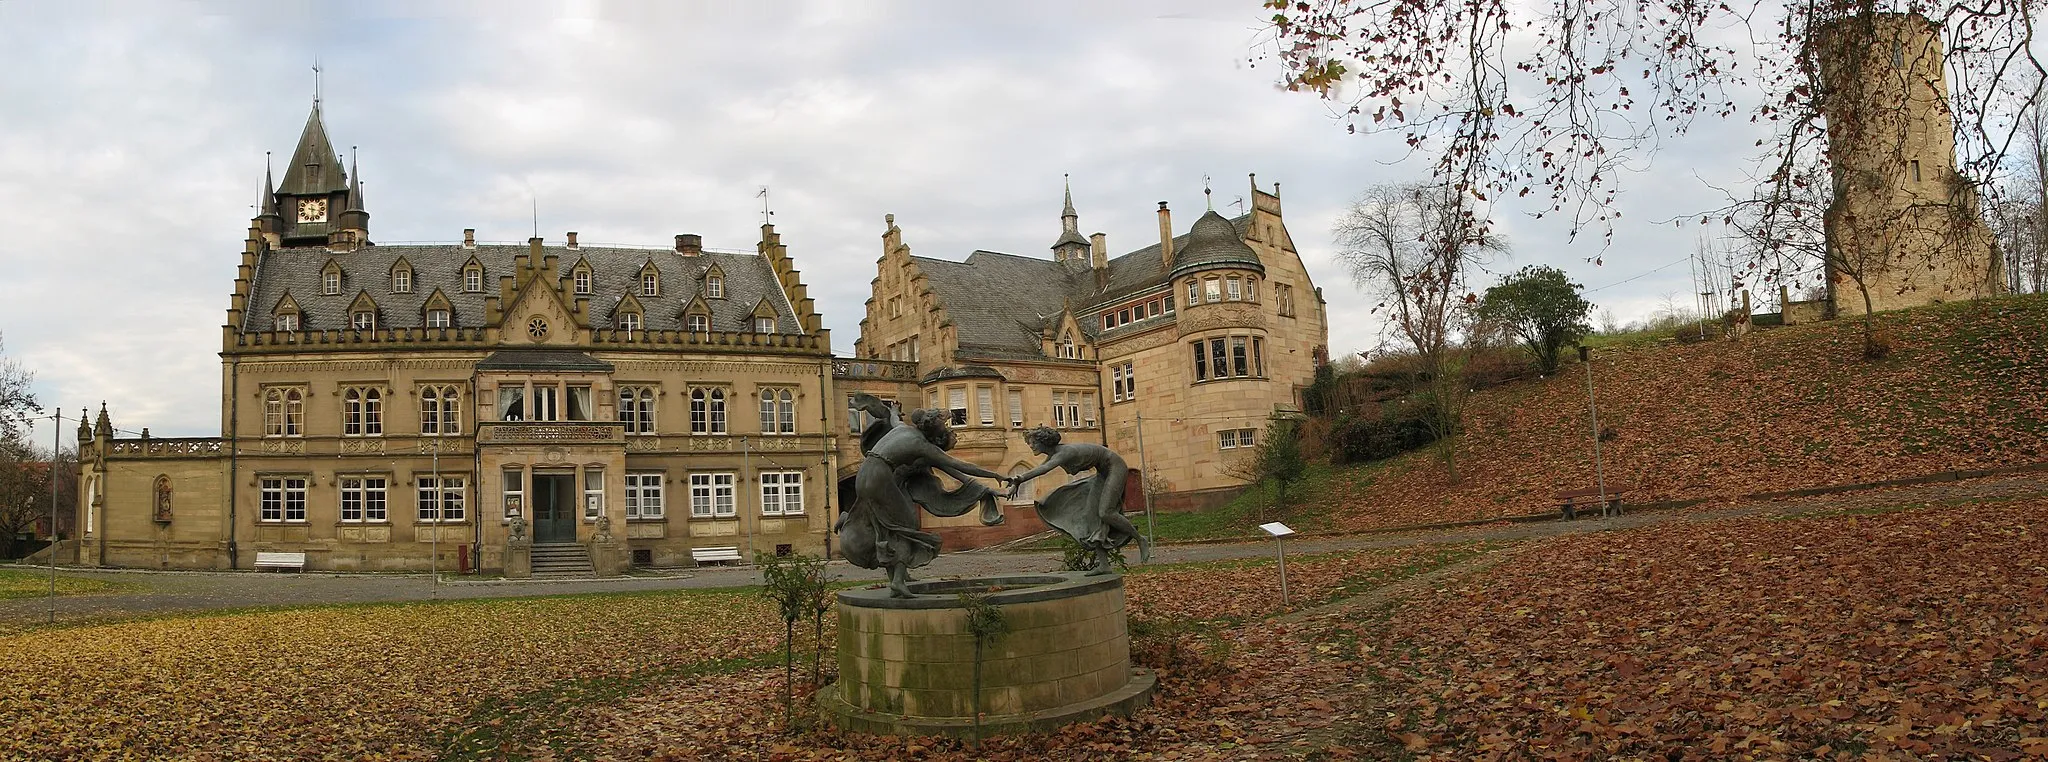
[[1176, 354], [512, 407], [1905, 227]]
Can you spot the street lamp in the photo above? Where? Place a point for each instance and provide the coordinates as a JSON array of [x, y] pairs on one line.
[[1592, 407]]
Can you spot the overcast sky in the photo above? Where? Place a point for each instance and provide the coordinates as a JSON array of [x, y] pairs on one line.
[[132, 141]]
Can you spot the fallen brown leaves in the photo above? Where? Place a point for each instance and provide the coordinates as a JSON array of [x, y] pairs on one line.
[[1910, 634], [366, 682], [1788, 408]]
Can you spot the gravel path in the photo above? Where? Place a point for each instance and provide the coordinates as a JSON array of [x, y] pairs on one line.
[[169, 592]]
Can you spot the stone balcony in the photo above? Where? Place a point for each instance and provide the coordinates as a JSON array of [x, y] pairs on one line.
[[552, 432]]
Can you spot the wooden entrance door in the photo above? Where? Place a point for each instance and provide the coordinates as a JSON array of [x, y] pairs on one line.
[[554, 508]]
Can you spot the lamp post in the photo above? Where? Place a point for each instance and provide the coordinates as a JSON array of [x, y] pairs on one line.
[[56, 432], [1593, 408]]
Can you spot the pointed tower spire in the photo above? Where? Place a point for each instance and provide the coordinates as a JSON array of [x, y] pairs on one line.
[[315, 168], [1071, 245], [355, 182], [268, 206]]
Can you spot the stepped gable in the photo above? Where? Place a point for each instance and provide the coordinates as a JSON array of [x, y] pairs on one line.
[[614, 274]]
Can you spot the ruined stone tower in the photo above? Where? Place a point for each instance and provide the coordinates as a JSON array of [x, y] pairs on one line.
[[1905, 224]]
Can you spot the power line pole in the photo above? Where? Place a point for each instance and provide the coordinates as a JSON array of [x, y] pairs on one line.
[[56, 441], [1144, 483], [1593, 407]]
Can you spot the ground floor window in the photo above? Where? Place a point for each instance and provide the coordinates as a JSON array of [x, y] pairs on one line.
[[441, 498], [363, 498], [782, 493], [593, 493], [643, 496], [1228, 439], [284, 498], [711, 495]]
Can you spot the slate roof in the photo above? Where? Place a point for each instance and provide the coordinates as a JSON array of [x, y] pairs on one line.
[[543, 360], [999, 303], [615, 272]]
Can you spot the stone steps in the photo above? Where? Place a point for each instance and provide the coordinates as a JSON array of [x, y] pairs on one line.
[[561, 559]]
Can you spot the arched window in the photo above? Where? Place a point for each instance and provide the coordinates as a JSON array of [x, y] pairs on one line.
[[440, 411], [699, 324], [778, 411], [707, 411], [284, 412], [362, 412], [287, 321], [629, 321], [636, 409], [363, 320]]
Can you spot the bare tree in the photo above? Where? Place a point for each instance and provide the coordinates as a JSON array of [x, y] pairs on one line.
[[1557, 97], [17, 403], [25, 474], [1414, 247]]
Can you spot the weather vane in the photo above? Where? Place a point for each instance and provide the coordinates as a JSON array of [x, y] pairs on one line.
[[1206, 198]]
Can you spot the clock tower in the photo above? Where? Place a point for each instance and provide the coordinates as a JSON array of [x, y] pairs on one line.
[[318, 203]]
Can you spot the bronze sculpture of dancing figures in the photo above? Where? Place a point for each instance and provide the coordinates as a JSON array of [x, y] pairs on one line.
[[881, 529], [1089, 510]]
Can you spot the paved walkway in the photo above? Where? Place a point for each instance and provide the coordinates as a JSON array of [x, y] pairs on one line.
[[166, 592]]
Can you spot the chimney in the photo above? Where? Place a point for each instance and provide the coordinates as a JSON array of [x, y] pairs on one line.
[[1098, 255], [469, 238], [690, 244], [572, 239], [1165, 237]]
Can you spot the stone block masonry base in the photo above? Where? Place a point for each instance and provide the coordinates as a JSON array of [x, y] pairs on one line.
[[906, 665]]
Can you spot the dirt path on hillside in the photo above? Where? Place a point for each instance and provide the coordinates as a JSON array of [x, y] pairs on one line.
[[175, 592]]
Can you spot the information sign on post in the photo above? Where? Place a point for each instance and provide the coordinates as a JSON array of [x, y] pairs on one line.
[[1279, 530]]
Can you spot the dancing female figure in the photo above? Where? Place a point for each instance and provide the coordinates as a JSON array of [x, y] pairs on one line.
[[881, 529], [1089, 510]]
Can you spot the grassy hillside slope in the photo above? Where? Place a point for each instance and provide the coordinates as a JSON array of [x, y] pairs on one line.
[[1788, 408]]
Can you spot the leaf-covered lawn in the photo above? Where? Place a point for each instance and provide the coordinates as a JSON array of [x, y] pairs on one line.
[[346, 683], [1789, 408], [19, 583], [1913, 634]]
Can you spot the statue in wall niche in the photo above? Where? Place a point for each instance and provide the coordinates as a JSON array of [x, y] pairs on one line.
[[1090, 509], [163, 499], [881, 529]]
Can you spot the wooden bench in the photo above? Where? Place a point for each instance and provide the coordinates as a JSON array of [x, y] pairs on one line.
[[715, 555], [1572, 500], [293, 561]]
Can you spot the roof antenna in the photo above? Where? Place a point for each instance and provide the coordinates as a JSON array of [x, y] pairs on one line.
[[765, 213], [316, 80]]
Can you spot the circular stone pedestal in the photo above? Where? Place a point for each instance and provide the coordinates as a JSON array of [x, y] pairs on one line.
[[906, 665]]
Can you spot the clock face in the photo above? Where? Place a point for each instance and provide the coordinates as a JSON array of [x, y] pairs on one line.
[[313, 210]]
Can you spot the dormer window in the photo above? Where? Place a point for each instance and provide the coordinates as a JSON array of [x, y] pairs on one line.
[[764, 325], [330, 282], [699, 324], [629, 321], [437, 318], [714, 287], [401, 281], [363, 320], [473, 279], [650, 281], [582, 278], [288, 321]]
